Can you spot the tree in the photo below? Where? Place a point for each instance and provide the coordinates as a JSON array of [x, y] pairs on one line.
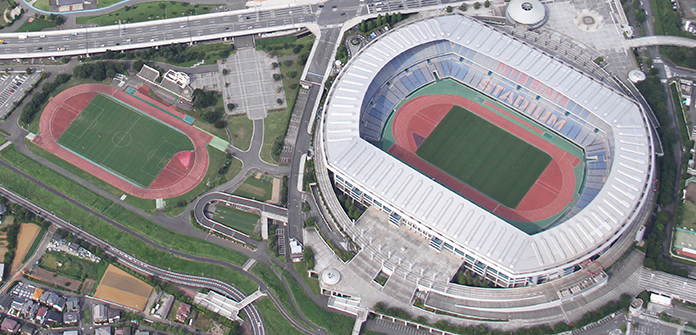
[[137, 65], [464, 7], [219, 124], [279, 101], [477, 5], [277, 77], [203, 99], [487, 3], [230, 106], [398, 17], [308, 257], [59, 20], [29, 70], [448, 9]]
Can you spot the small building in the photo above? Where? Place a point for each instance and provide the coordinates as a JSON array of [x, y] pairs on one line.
[[59, 304], [183, 312], [57, 238], [70, 318], [99, 313], [69, 5], [37, 294], [27, 329], [114, 315], [106, 330], [44, 297], [123, 331], [33, 311], [3, 209], [72, 304], [41, 314], [28, 304], [17, 304], [2, 271], [5, 302], [9, 325], [73, 246], [142, 332], [71, 332], [53, 317], [52, 298]]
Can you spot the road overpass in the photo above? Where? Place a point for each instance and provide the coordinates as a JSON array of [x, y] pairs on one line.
[[657, 40], [265, 210]]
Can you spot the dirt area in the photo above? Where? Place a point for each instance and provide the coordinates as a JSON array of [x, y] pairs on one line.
[[691, 192], [218, 329], [189, 292], [55, 279], [275, 194], [27, 234], [87, 286], [120, 287]]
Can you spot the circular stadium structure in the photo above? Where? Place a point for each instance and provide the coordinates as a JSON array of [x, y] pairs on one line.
[[531, 13], [521, 165]]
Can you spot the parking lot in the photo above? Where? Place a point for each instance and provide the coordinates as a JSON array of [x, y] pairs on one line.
[[251, 84], [12, 88]]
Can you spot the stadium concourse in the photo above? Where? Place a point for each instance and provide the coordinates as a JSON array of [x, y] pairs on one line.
[[521, 85], [125, 140]]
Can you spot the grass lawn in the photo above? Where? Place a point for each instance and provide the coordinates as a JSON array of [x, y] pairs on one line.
[[273, 321], [689, 215], [145, 12], [106, 3], [243, 221], [103, 205], [71, 266], [274, 127], [260, 189], [266, 274], [482, 155], [36, 25], [334, 323], [312, 282], [123, 140], [241, 130]]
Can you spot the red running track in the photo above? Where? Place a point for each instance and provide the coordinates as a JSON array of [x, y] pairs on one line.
[[183, 172], [549, 195]]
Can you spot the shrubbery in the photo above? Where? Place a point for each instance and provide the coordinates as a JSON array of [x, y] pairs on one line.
[[39, 99]]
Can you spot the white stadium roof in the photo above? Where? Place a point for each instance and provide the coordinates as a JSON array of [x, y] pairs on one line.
[[454, 217]]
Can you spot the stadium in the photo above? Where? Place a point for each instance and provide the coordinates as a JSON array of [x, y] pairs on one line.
[[523, 166], [126, 139]]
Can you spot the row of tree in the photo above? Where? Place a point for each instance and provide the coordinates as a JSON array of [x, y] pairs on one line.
[[100, 70], [38, 99]]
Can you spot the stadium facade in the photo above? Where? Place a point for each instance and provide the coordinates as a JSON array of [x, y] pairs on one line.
[[610, 127]]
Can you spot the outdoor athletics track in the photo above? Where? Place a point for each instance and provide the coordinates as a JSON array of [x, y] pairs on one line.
[[175, 179], [551, 193]]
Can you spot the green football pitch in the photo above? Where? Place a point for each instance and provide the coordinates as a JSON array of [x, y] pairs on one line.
[[123, 140], [484, 156]]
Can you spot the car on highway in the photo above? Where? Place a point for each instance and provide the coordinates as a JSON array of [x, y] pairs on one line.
[[182, 26], [343, 13]]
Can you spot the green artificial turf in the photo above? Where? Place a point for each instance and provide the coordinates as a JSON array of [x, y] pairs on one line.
[[125, 141], [242, 221], [484, 156]]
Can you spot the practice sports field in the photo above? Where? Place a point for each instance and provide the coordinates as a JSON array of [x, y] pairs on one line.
[[122, 288], [123, 140], [484, 156], [244, 222]]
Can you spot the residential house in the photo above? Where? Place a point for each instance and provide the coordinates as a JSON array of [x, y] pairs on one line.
[[72, 304], [73, 246], [27, 329], [183, 312], [71, 317], [9, 325], [44, 296], [142, 332], [52, 298], [53, 317], [17, 304], [28, 304], [37, 294], [114, 315], [106, 330], [99, 313], [5, 303], [59, 304], [57, 238], [41, 314], [33, 311]]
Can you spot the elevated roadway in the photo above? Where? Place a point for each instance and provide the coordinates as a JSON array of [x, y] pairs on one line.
[[657, 40], [266, 210]]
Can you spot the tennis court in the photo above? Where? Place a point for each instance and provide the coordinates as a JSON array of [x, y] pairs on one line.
[[123, 140], [484, 156]]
